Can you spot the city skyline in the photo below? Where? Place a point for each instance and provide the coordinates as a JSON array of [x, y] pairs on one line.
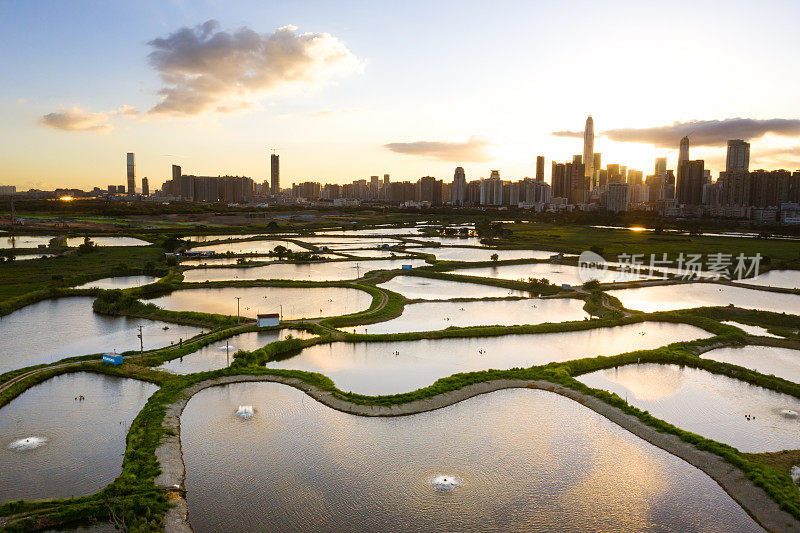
[[372, 101]]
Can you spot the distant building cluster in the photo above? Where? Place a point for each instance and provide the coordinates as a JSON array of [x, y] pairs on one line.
[[579, 184], [210, 189]]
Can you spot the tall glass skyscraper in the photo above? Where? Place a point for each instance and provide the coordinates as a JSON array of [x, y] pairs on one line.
[[275, 174], [588, 148], [131, 174]]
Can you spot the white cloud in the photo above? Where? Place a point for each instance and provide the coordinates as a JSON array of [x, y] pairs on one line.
[[127, 111], [206, 69], [473, 150], [76, 119]]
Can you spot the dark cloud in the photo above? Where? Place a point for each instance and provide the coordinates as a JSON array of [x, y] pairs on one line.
[[472, 150], [76, 119], [700, 132], [206, 69]]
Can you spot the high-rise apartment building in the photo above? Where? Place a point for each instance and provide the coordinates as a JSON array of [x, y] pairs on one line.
[[613, 173], [131, 174], [539, 168], [738, 159], [578, 180], [458, 191], [596, 164], [691, 178], [617, 198], [558, 182], [661, 167], [275, 174]]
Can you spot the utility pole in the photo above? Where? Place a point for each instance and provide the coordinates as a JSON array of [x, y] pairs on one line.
[[141, 340], [237, 309], [358, 271]]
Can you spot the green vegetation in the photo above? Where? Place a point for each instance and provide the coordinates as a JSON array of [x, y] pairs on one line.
[[534, 286], [599, 304], [118, 302], [26, 282], [575, 239], [392, 308]]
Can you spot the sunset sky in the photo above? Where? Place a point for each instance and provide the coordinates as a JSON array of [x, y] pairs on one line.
[[344, 90]]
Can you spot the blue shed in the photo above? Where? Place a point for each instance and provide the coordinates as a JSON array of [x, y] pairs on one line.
[[113, 358]]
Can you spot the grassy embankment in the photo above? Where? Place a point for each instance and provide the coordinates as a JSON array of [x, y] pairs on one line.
[[613, 242], [25, 282]]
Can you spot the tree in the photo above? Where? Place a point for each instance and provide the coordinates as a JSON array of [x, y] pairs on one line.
[[87, 246], [280, 251], [495, 257]]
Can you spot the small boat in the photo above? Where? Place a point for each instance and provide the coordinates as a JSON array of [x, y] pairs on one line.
[[165, 328]]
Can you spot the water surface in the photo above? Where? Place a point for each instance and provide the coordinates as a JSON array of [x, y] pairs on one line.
[[374, 252], [451, 241], [121, 282], [429, 316], [445, 253], [106, 241], [345, 243], [751, 330], [83, 441], [322, 271], [781, 362], [249, 247], [292, 302], [394, 367], [227, 236], [689, 295], [527, 460], [788, 279], [553, 272], [24, 241], [710, 405], [47, 331], [222, 260], [414, 287], [220, 354]]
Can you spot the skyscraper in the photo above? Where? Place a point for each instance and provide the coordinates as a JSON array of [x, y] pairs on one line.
[[596, 166], [689, 189], [577, 181], [539, 168], [588, 147], [683, 157], [661, 167], [684, 151], [131, 174], [738, 156], [275, 174], [145, 187], [458, 191]]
